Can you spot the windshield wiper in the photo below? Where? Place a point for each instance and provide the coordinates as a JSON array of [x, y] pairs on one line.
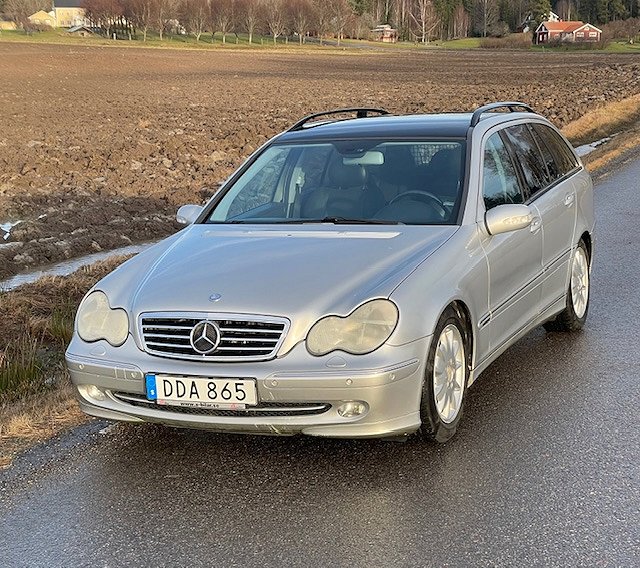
[[339, 221]]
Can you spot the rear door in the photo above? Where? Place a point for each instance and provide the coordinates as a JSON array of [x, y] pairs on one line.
[[515, 258], [549, 190], [559, 210]]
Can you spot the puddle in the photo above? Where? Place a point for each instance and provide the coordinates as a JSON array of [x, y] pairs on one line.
[[68, 266]]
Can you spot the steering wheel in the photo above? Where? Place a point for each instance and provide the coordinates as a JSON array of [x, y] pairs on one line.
[[425, 197]]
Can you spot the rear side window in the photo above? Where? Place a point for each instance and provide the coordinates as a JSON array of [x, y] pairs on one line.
[[549, 161], [529, 157], [562, 154], [499, 180]]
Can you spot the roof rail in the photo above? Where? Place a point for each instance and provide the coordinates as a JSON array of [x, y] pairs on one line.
[[511, 105], [360, 113]]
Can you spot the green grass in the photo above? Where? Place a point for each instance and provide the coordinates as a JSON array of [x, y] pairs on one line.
[[463, 43], [60, 36], [622, 47]]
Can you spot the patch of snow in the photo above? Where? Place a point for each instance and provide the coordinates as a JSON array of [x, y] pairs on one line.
[[588, 148], [6, 228]]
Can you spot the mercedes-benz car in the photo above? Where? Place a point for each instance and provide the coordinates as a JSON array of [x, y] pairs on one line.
[[352, 279]]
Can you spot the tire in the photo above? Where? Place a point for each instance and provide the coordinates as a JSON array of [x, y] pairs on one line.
[[444, 382], [574, 315]]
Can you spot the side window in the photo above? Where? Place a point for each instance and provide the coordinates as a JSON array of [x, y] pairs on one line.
[[564, 157], [261, 187], [499, 180], [311, 166], [547, 156], [529, 158]]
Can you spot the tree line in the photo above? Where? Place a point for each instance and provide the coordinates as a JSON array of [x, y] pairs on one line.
[[414, 20]]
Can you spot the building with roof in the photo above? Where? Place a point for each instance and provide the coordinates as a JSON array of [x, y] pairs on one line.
[[566, 32], [42, 18], [82, 31], [385, 33], [69, 13]]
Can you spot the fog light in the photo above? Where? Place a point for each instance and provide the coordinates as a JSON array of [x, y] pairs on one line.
[[95, 393], [351, 409]]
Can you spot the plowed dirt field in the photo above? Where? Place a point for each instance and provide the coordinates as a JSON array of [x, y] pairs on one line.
[[98, 146]]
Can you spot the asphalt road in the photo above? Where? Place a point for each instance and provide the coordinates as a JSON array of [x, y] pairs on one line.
[[545, 470]]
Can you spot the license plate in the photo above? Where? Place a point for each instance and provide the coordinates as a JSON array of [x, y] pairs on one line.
[[201, 392]]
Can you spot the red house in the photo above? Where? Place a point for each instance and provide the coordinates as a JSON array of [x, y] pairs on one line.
[[566, 31]]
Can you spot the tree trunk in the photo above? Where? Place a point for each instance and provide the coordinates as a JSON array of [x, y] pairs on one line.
[[250, 37]]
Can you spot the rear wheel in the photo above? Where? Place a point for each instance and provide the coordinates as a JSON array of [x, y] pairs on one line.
[[574, 315], [445, 379]]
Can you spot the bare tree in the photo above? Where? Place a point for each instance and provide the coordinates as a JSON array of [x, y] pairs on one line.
[[140, 14], [342, 13], [18, 11], [103, 13], [194, 15], [225, 17], [301, 13], [323, 15], [460, 22], [163, 12], [424, 15], [249, 16], [275, 17], [486, 15]]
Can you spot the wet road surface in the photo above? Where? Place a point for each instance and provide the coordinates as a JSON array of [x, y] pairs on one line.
[[544, 471]]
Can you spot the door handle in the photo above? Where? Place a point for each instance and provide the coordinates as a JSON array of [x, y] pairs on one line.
[[536, 224], [569, 199]]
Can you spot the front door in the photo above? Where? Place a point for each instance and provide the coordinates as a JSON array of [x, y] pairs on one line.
[[514, 258]]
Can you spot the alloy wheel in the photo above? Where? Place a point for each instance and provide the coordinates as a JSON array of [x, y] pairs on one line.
[[449, 373]]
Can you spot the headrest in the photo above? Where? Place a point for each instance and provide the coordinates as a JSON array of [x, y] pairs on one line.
[[346, 176]]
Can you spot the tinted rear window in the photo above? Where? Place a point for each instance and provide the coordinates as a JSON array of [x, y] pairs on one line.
[[529, 158], [562, 154]]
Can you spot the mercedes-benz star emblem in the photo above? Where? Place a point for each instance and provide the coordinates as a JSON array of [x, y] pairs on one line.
[[205, 337]]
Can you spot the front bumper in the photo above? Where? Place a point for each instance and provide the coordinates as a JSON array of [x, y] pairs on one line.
[[388, 381]]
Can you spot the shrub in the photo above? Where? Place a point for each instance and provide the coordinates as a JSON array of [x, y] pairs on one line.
[[512, 41]]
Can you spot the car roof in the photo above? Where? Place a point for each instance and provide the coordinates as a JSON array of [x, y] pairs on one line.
[[449, 125]]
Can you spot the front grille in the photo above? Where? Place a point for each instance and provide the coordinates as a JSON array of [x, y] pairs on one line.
[[242, 337], [263, 409]]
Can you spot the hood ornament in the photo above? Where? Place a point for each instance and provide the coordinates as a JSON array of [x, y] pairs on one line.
[[215, 297]]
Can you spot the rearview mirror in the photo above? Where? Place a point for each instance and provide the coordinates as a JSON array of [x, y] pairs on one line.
[[370, 158], [187, 214], [507, 218]]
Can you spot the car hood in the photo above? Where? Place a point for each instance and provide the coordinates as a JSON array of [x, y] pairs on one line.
[[302, 272]]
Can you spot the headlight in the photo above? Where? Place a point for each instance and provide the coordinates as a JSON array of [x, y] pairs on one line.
[[97, 320], [362, 331]]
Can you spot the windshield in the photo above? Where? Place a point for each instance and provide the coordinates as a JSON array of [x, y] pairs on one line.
[[349, 181]]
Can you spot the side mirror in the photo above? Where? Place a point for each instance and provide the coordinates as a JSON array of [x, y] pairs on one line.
[[507, 218], [187, 214]]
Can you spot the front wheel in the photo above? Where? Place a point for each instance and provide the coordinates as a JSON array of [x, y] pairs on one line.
[[574, 315], [445, 379]]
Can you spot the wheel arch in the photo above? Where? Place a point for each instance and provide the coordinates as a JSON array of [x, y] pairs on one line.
[[588, 241], [462, 311]]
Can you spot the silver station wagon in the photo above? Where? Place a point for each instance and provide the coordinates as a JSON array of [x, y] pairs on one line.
[[352, 279]]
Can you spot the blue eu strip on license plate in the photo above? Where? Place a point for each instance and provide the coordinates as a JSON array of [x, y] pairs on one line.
[[152, 392]]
